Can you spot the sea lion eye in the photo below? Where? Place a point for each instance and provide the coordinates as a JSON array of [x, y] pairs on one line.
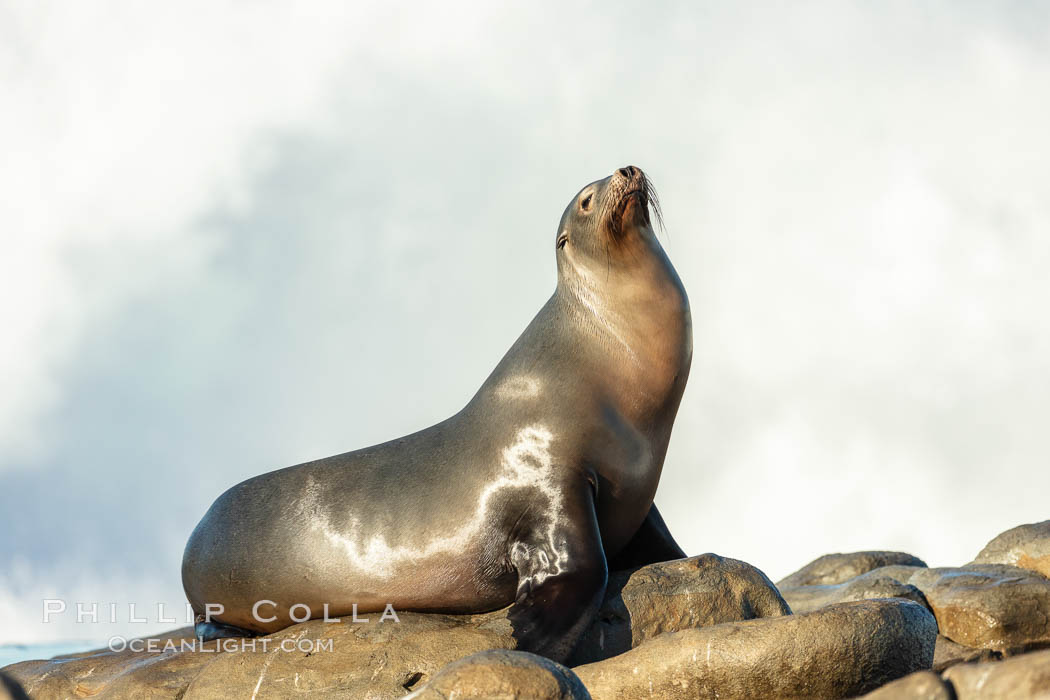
[[585, 203], [562, 240]]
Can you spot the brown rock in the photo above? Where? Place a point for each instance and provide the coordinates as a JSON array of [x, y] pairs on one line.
[[864, 587], [1025, 546], [838, 568], [503, 675], [988, 606], [105, 673], [386, 660], [838, 651], [374, 660], [921, 685], [676, 595], [982, 606], [948, 653], [10, 689], [1026, 676]]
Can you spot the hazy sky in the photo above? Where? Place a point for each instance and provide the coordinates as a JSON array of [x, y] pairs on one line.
[[238, 236]]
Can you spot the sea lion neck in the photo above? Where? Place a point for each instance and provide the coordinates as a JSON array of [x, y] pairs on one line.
[[640, 316], [627, 301]]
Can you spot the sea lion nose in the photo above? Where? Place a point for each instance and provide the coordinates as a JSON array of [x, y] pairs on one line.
[[628, 171]]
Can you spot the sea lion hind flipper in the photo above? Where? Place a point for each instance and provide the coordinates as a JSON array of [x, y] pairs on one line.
[[652, 543], [209, 631], [561, 579]]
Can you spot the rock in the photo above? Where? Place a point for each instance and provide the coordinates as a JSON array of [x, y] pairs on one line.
[[10, 689], [388, 659], [838, 651], [91, 673], [375, 660], [864, 587], [948, 653], [1025, 546], [982, 606], [838, 568], [1026, 676], [675, 595], [503, 675], [921, 685], [985, 606]]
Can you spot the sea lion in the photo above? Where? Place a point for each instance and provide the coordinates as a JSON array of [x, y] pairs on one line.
[[523, 498]]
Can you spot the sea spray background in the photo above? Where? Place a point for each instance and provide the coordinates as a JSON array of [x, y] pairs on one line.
[[240, 236]]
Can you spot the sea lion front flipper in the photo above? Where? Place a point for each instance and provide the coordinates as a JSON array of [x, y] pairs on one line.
[[561, 576], [651, 544]]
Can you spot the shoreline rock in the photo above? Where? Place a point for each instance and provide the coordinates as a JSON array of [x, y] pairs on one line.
[[867, 586], [996, 607], [1025, 546], [696, 592], [1026, 676], [874, 622], [832, 569], [387, 660], [503, 675], [839, 651]]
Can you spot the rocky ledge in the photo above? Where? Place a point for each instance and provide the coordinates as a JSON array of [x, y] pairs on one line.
[[880, 623]]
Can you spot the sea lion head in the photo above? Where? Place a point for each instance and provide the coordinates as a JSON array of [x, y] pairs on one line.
[[606, 226], [616, 281]]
